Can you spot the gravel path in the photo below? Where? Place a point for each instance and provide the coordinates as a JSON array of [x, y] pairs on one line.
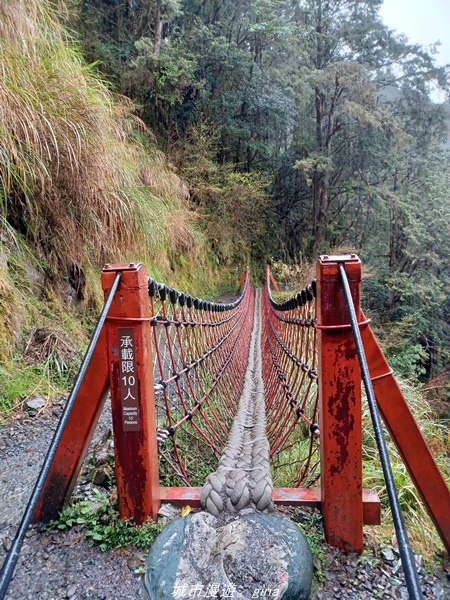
[[53, 565], [61, 565]]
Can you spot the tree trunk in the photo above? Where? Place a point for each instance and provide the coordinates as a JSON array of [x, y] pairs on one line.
[[321, 176], [158, 28]]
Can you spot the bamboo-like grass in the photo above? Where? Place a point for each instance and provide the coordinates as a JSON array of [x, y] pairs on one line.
[[421, 530], [75, 175]]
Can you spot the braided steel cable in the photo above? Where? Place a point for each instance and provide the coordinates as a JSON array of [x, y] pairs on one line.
[[200, 356], [290, 377], [7, 570]]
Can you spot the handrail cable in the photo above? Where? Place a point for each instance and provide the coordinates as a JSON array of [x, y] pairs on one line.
[[200, 351], [13, 554], [406, 553]]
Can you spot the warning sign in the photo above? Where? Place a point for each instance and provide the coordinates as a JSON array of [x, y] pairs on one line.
[[128, 380]]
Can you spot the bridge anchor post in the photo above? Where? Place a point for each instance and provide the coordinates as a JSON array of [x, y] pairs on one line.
[[340, 406], [132, 393]]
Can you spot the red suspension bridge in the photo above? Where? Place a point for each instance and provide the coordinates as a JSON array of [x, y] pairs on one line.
[[176, 367]]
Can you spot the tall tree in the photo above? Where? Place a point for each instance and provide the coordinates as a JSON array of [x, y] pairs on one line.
[[350, 63], [238, 45]]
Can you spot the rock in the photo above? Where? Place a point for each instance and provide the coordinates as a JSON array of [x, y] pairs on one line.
[[403, 591], [71, 590], [36, 402], [102, 476], [102, 471], [7, 543], [388, 556], [255, 555], [36, 280], [169, 510], [398, 569]]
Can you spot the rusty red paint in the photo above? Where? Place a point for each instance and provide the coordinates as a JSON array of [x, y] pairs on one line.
[[76, 437], [270, 276], [182, 496], [135, 448], [340, 407]]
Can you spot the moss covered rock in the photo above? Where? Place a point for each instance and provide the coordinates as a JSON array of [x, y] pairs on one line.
[[253, 556]]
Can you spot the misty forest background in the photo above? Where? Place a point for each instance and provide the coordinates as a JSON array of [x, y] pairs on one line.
[[203, 135]]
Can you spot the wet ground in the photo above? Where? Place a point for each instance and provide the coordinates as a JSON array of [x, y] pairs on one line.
[[57, 565]]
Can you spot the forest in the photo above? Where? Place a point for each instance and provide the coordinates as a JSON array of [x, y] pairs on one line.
[[203, 135]]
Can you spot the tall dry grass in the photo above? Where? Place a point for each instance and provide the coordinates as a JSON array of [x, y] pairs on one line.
[[75, 176], [421, 530]]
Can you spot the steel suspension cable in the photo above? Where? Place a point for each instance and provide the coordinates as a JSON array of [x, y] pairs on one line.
[[406, 553], [13, 554]]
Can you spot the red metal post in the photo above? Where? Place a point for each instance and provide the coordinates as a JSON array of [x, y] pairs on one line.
[[408, 438], [245, 274], [272, 278], [340, 405], [132, 393], [76, 437]]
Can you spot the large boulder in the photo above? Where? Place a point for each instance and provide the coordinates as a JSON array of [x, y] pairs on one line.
[[251, 556]]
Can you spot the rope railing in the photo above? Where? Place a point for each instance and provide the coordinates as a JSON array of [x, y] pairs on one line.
[[200, 351], [290, 377], [194, 377]]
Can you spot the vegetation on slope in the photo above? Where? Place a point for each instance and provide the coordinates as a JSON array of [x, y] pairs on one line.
[[82, 183], [81, 178], [294, 127]]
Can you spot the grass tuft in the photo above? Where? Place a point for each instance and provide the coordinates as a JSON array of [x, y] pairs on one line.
[[80, 175], [421, 530]]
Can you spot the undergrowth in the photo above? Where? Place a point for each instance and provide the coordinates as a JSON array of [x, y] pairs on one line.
[[310, 524], [20, 382], [41, 337], [421, 530], [100, 522]]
